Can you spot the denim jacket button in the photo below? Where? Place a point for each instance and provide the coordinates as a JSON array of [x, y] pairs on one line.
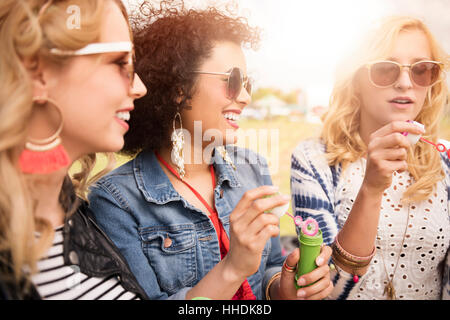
[[167, 242], [73, 257]]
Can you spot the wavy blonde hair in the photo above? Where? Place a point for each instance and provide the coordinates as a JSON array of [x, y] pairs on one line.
[[340, 131], [28, 35]]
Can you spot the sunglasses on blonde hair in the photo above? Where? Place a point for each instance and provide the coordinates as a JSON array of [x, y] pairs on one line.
[[383, 74], [235, 81], [103, 47]]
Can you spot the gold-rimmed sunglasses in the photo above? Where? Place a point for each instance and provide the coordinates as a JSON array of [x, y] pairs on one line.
[[425, 73], [235, 81]]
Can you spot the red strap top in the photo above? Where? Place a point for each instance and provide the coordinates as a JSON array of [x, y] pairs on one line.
[[245, 291]]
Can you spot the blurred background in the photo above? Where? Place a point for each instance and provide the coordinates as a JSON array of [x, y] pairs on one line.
[[302, 42]]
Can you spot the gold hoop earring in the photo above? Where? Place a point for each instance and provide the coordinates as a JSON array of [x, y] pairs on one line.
[[43, 156]]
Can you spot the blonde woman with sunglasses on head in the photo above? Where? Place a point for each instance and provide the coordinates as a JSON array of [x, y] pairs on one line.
[[65, 94], [381, 198]]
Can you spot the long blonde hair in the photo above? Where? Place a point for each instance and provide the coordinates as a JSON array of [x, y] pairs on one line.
[[27, 34], [341, 123]]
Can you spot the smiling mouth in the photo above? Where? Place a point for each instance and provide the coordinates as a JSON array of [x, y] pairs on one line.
[[232, 118], [123, 115]]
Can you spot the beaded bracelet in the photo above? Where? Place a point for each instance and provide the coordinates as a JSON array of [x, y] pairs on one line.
[[354, 265], [350, 256], [346, 262]]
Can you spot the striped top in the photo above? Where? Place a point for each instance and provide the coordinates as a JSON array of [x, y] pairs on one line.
[[58, 281], [327, 194]]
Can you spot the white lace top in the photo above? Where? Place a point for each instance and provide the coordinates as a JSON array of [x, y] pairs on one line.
[[425, 244], [327, 194]]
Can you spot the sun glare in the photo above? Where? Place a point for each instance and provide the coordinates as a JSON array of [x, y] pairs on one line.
[[304, 40]]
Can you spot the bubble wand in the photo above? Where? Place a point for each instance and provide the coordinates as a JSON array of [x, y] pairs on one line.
[[414, 138], [310, 242], [439, 147], [310, 227]]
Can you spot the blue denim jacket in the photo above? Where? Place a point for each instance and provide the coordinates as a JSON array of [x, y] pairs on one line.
[[138, 208]]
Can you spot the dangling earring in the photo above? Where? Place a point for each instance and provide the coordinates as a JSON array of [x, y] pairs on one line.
[[46, 155], [223, 152], [177, 146]]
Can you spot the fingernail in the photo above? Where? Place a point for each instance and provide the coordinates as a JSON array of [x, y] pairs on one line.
[[300, 293], [319, 261], [301, 282]]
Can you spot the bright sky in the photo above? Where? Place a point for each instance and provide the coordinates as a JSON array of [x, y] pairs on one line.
[[303, 40]]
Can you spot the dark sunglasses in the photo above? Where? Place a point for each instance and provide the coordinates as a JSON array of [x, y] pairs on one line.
[[235, 82], [383, 74]]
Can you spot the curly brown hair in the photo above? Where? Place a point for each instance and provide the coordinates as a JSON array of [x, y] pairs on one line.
[[171, 42]]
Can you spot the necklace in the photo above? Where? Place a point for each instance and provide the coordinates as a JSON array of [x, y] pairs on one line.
[[389, 289]]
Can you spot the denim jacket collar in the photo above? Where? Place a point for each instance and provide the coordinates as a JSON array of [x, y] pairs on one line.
[[156, 187]]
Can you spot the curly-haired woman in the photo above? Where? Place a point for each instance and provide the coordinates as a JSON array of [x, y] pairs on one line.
[[188, 214]]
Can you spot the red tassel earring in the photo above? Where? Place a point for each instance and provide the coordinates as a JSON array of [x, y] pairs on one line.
[[46, 155]]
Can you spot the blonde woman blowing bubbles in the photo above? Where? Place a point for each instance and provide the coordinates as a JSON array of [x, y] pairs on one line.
[[382, 202]]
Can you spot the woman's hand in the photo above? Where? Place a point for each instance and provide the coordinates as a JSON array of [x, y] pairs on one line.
[[321, 285], [386, 153], [250, 228]]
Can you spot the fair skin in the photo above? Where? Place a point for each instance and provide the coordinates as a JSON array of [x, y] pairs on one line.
[[89, 104], [382, 122], [250, 228]]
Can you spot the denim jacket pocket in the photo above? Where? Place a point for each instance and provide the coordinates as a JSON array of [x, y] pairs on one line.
[[171, 251]]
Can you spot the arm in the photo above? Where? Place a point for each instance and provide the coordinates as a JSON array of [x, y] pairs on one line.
[[237, 217], [386, 153], [313, 191], [250, 229]]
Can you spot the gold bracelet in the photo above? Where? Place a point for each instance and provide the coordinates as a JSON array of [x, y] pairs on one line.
[[272, 280]]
